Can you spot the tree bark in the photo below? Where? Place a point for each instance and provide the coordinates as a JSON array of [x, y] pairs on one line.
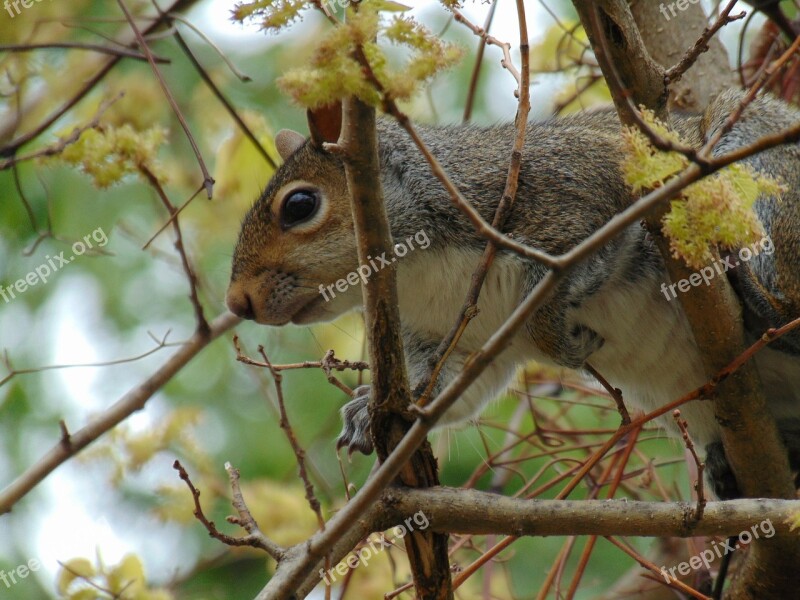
[[666, 39], [391, 397]]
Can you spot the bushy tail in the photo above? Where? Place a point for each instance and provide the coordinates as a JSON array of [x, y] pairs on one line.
[[769, 283]]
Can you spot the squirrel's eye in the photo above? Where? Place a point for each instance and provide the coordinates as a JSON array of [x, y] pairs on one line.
[[298, 206]]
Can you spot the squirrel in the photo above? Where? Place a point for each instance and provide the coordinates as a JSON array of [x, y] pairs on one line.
[[609, 312]]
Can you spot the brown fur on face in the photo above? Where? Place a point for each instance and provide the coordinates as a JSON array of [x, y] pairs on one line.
[[277, 271]]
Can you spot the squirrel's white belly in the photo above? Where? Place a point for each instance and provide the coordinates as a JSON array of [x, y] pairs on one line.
[[649, 352], [431, 292]]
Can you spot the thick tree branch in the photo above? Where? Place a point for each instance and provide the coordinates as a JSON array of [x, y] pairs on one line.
[[681, 40], [464, 511], [391, 397]]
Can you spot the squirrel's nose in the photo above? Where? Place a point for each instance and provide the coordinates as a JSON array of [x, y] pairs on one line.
[[239, 303]]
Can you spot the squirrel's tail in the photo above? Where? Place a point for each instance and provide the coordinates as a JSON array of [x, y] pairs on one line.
[[769, 280]]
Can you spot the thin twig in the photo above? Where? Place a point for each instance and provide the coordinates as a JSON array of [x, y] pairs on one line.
[[615, 393], [171, 218], [239, 75], [208, 181], [59, 146], [698, 486], [254, 540], [506, 62], [245, 518], [299, 453], [677, 71], [469, 309], [120, 52], [328, 364], [98, 587], [132, 401], [674, 583], [476, 69], [202, 323], [160, 344], [224, 101]]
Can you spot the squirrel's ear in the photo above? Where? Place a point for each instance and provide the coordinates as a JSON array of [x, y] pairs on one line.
[[325, 123], [287, 141]]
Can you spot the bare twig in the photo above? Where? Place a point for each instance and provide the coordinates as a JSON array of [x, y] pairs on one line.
[[89, 582], [254, 539], [469, 309], [173, 215], [299, 453], [615, 393], [328, 364], [208, 181], [672, 582], [113, 51], [701, 45], [224, 101], [476, 69], [239, 75], [160, 344], [698, 486], [506, 62], [129, 403], [202, 323]]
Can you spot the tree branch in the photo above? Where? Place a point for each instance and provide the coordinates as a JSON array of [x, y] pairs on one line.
[[391, 397], [464, 511], [134, 400]]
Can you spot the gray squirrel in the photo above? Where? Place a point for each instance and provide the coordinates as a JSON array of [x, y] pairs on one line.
[[610, 312]]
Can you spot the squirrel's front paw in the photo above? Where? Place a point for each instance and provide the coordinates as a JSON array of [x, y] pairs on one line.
[[583, 342], [355, 423]]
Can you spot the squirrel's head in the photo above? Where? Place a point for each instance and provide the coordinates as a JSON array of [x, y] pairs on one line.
[[298, 237]]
